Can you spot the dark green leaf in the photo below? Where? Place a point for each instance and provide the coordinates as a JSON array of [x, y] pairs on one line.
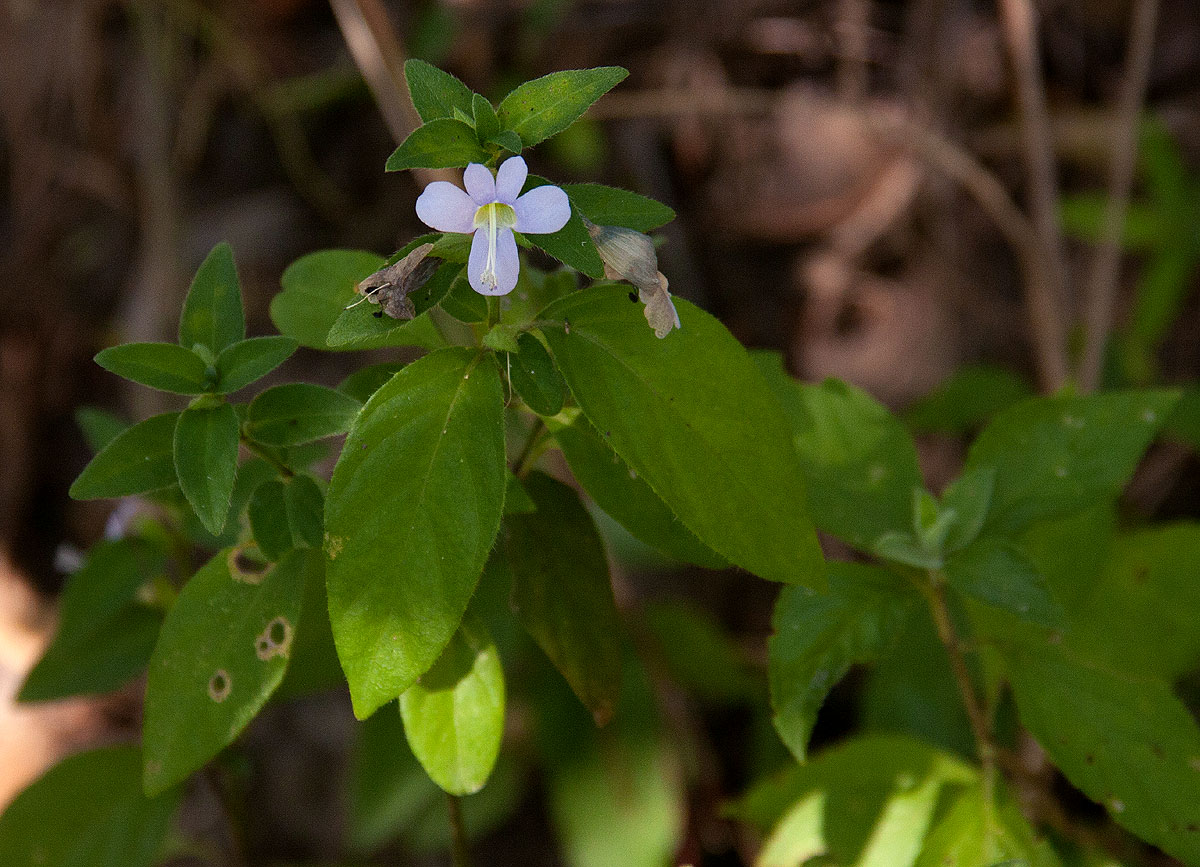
[[212, 313], [967, 400], [464, 303], [454, 715], [534, 377], [388, 787], [508, 140], [968, 497], [100, 427], [626, 496], [365, 325], [206, 453], [997, 572], [138, 460], [562, 594], [318, 287], [859, 462], [1142, 611], [1124, 740], [694, 418], [516, 500], [1184, 423], [104, 636], [365, 381], [417, 497], [305, 506], [87, 811], [1057, 455], [223, 650], [487, 124], [435, 94], [610, 206], [299, 412], [699, 654], [439, 144], [818, 636], [571, 245], [314, 667], [269, 520], [249, 360], [545, 106], [164, 366]]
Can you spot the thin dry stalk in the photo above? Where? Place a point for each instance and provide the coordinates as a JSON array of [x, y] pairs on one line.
[[1101, 294]]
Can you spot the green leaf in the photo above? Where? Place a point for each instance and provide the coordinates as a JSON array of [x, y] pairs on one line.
[[365, 325], [269, 521], [206, 453], [104, 636], [967, 400], [223, 650], [87, 811], [571, 245], [693, 417], [1057, 455], [164, 366], [212, 313], [454, 715], [627, 497], [417, 497], [699, 654], [508, 140], [439, 144], [487, 124], [545, 106], [610, 206], [305, 506], [464, 303], [244, 362], [299, 412], [365, 381], [1142, 611], [435, 94], [859, 462], [534, 377], [616, 795], [867, 801], [1122, 739], [818, 636], [138, 460], [997, 572], [968, 497], [562, 594], [964, 837], [318, 287], [100, 427]]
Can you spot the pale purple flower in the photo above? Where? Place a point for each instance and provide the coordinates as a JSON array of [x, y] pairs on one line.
[[490, 209]]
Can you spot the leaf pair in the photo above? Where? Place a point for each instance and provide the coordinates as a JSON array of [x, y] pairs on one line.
[[460, 127]]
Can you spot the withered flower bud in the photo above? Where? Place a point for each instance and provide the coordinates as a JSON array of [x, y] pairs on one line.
[[390, 287], [629, 255]]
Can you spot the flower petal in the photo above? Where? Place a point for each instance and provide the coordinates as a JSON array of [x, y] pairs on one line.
[[507, 265], [445, 207], [509, 180], [480, 184], [542, 210]]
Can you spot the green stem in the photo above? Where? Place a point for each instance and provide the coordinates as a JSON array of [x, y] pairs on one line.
[[981, 728], [530, 452], [459, 848], [280, 467]]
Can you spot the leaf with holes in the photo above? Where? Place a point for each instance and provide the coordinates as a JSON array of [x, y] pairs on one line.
[[410, 515], [224, 649]]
